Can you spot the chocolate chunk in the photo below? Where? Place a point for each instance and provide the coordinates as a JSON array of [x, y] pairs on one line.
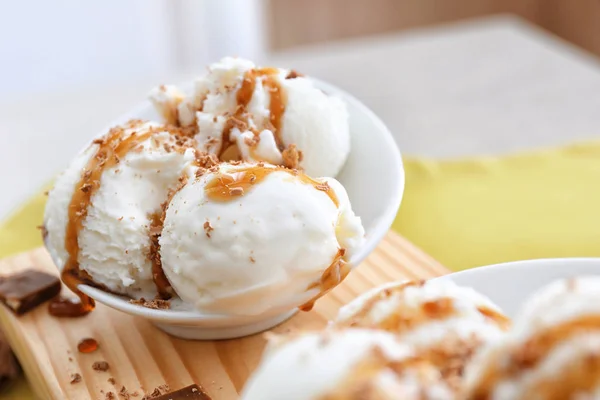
[[100, 366], [188, 392], [75, 378], [9, 367], [26, 290]]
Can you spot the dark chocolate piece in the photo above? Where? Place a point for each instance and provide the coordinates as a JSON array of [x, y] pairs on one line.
[[24, 291], [188, 392], [9, 367]]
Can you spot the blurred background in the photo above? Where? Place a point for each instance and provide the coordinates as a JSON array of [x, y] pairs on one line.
[[65, 45], [457, 80]]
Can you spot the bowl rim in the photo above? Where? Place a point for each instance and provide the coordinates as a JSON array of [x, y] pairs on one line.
[[511, 265], [380, 226]]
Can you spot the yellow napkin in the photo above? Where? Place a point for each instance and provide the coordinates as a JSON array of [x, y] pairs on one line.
[[479, 211], [464, 213]]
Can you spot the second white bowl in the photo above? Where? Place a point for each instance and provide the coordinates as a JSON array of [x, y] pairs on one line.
[[510, 284]]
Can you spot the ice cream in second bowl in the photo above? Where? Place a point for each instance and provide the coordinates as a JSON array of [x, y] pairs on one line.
[[445, 323], [349, 364], [553, 351]]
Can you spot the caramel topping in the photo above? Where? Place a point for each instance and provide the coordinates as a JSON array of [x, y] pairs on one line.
[[226, 187], [87, 345], [581, 377], [529, 354], [361, 382], [243, 97], [360, 318], [163, 287], [500, 319], [111, 149], [157, 221], [276, 108], [331, 277], [406, 317]]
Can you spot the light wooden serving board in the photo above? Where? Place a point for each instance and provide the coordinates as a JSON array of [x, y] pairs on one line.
[[141, 357]]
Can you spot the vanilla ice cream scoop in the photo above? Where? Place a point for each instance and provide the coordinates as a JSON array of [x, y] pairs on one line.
[[345, 365], [100, 212], [552, 352], [248, 239], [446, 323], [262, 114]]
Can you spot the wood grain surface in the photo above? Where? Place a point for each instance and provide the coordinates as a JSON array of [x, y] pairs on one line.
[[142, 358]]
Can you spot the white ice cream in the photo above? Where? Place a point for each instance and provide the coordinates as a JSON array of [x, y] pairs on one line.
[[553, 351], [114, 241], [167, 98], [445, 323], [344, 365], [424, 312], [315, 122], [260, 244]]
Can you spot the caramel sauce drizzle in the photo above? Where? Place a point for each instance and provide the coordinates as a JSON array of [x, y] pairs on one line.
[[243, 97], [580, 376], [157, 221], [163, 286], [500, 319], [337, 271], [528, 355], [360, 383], [110, 150], [227, 187], [405, 318]]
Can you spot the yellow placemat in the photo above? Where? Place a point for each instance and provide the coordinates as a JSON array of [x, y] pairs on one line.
[[464, 213], [481, 211]]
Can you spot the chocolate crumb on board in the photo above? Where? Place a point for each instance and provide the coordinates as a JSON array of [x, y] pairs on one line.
[[100, 366], [9, 367], [155, 393], [124, 393], [189, 392], [75, 378], [110, 396], [111, 380], [156, 304]]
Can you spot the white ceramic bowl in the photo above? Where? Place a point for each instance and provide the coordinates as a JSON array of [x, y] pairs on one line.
[[374, 179], [510, 284]]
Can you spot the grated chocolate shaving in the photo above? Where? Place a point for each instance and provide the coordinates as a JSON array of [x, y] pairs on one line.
[[293, 74], [75, 378], [156, 304], [100, 366], [208, 228], [292, 157]]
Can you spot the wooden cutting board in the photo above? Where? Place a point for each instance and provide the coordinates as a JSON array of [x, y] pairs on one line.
[[141, 357]]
